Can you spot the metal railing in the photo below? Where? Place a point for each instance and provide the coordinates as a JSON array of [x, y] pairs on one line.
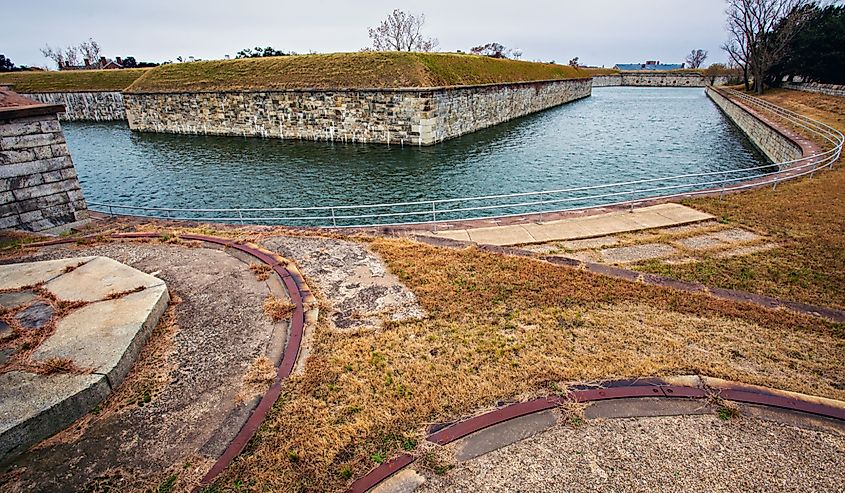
[[533, 203]]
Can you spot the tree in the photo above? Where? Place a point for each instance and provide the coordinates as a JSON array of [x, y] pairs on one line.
[[259, 52], [402, 32], [90, 51], [816, 52], [696, 58], [57, 55], [129, 62], [574, 62], [71, 56], [493, 50], [516, 53], [760, 32], [6, 64]]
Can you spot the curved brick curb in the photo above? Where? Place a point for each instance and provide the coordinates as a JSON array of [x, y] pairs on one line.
[[305, 312], [833, 314], [684, 387]]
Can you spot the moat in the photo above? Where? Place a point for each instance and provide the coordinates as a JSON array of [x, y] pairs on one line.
[[619, 134]]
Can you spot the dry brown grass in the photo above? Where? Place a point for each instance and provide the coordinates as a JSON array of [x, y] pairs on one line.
[[278, 309], [806, 218], [72, 81], [257, 379], [261, 271], [503, 328], [365, 70]]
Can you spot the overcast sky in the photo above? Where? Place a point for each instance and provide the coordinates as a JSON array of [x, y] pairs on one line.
[[600, 32]]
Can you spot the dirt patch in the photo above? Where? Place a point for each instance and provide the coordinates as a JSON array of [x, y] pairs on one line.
[[179, 406]]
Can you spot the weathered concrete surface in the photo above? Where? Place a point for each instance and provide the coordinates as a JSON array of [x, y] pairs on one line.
[[503, 434], [354, 279], [678, 454], [101, 278], [656, 216], [101, 339], [106, 337], [193, 376], [38, 405], [405, 481], [16, 276]]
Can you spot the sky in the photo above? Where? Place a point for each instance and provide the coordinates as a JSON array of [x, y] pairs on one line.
[[599, 32]]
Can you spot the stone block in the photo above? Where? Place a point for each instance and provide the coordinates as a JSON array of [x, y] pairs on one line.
[[17, 276], [29, 141], [33, 407], [14, 157], [106, 336], [104, 277], [23, 126]]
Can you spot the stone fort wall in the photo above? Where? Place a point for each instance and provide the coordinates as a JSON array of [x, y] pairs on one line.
[[827, 89], [657, 79], [395, 116], [96, 106], [39, 188], [775, 145]]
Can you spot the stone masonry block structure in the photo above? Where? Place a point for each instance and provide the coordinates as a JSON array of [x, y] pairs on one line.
[[775, 145], [413, 116], [655, 79], [96, 106], [39, 188]]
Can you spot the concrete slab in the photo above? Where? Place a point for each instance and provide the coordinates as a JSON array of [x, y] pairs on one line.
[[106, 337], [503, 434], [16, 299], [638, 253], [642, 407], [746, 250], [405, 481], [101, 277], [657, 216], [588, 243], [501, 235], [33, 407], [456, 234], [736, 235], [701, 242], [17, 276]]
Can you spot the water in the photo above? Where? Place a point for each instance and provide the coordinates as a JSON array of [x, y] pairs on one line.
[[618, 134]]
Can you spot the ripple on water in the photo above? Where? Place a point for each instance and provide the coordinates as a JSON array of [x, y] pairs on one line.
[[618, 134]]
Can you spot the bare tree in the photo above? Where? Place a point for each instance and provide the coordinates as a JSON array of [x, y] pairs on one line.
[[57, 55], [754, 42], [696, 58], [72, 56], [402, 32], [574, 62], [90, 51]]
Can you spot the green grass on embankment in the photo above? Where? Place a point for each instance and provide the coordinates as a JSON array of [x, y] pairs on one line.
[[72, 80], [363, 70]]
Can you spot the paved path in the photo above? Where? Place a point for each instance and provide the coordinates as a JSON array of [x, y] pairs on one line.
[[657, 216]]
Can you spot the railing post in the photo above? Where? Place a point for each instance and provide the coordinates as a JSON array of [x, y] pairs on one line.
[[241, 216], [111, 212], [334, 219], [777, 178]]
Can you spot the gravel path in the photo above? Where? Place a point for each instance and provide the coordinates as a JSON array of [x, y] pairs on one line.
[[187, 421], [667, 454]]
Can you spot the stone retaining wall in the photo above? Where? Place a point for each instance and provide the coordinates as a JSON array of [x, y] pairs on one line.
[[828, 89], [95, 106], [658, 79], [775, 145], [38, 184], [396, 116]]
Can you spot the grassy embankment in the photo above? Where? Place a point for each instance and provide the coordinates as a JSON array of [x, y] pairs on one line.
[[350, 70], [72, 80], [806, 218]]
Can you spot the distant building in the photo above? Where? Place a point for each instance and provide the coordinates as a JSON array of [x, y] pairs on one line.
[[103, 64], [649, 65]]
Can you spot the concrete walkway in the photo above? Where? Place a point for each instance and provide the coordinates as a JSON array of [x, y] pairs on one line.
[[657, 216]]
